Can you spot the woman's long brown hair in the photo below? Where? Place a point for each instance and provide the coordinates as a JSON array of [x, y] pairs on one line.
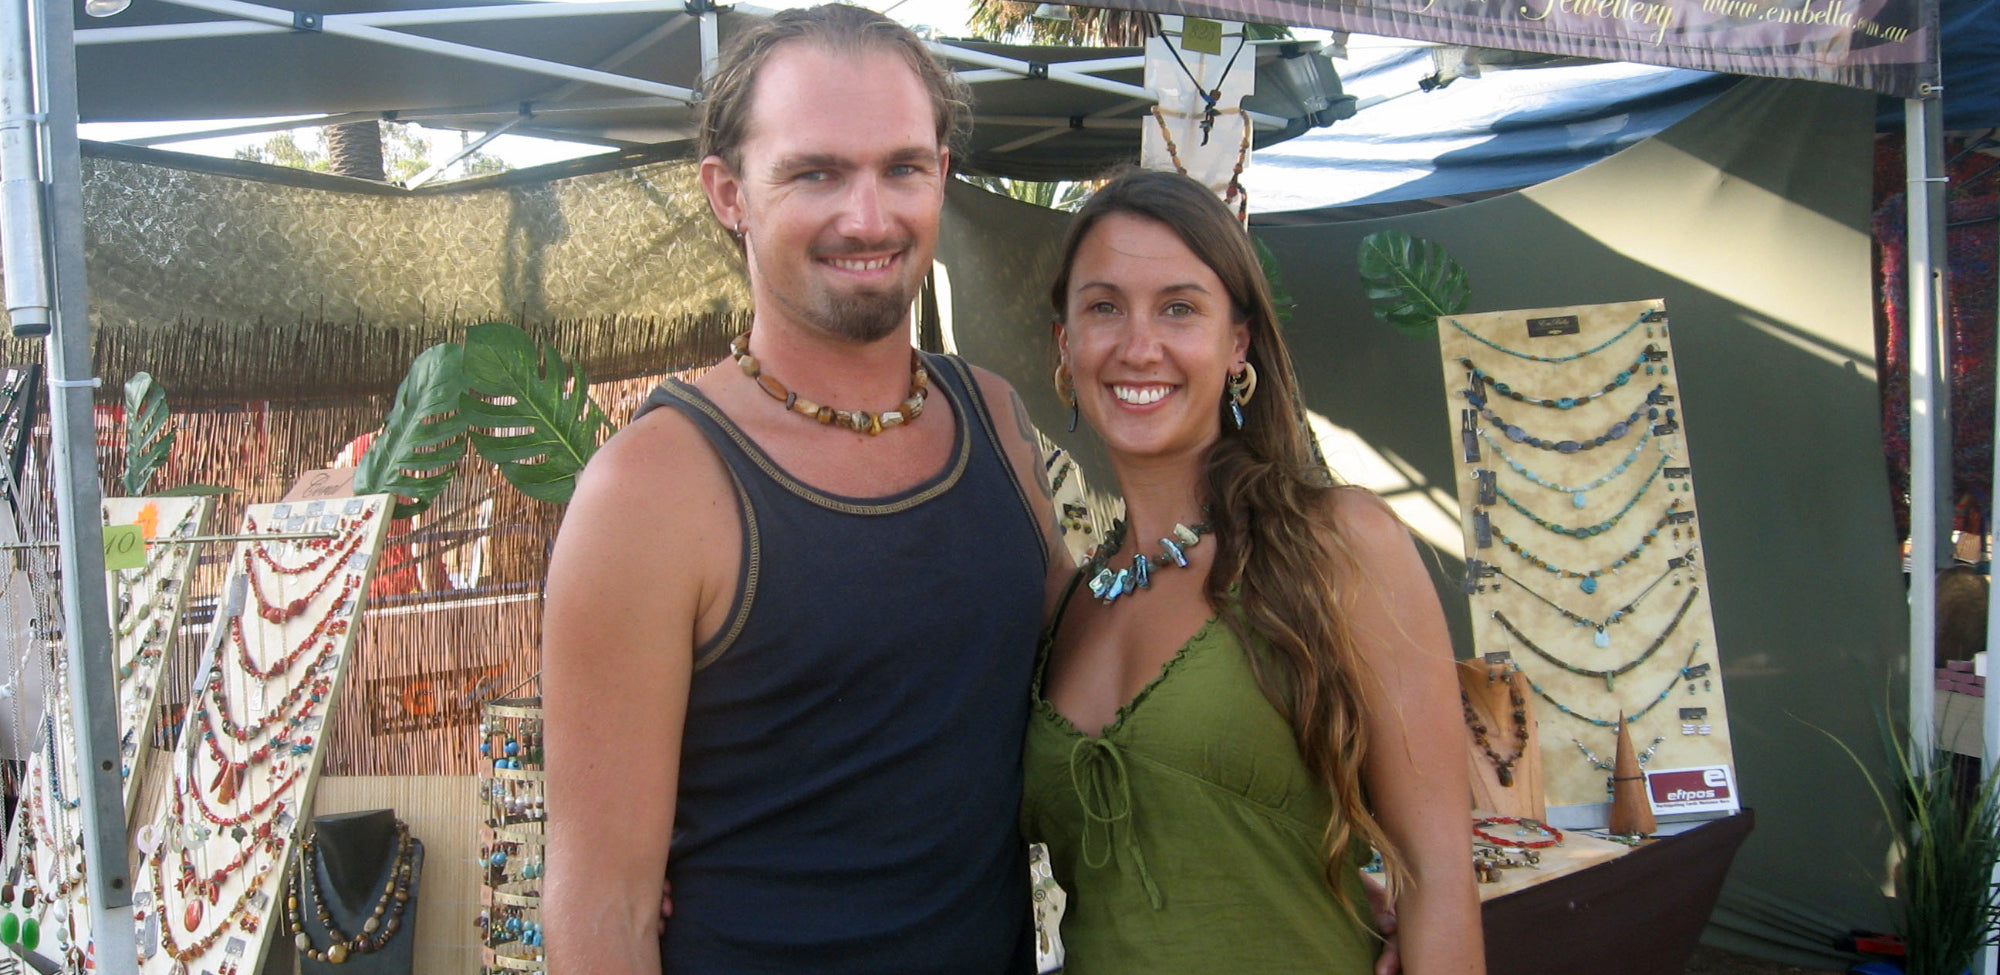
[[1270, 507]]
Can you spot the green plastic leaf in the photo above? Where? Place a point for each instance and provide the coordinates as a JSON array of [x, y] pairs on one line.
[[149, 432], [529, 411], [423, 436], [1412, 281], [1274, 278]]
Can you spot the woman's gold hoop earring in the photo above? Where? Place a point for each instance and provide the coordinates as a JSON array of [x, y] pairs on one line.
[[1238, 391], [1066, 391]]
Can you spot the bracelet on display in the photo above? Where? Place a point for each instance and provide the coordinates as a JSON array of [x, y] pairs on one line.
[[1549, 835]]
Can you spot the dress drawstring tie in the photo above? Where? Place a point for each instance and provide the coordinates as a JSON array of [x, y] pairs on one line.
[[1097, 771]]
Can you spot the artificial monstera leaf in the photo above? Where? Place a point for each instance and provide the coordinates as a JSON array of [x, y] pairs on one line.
[[1412, 281], [149, 432], [423, 436], [1281, 299], [529, 411]]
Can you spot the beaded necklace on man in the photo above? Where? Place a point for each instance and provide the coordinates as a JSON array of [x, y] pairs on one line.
[[860, 421]]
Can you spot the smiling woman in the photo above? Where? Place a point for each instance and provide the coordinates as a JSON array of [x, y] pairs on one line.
[[1197, 767]]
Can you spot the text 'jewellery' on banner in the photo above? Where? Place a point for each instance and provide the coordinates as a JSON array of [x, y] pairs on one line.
[[1889, 46]]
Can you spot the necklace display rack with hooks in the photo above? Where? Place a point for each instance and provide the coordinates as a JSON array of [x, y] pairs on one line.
[[1584, 554], [213, 845], [512, 844], [147, 604]]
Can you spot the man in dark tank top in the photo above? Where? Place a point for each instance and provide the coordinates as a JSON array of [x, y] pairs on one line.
[[791, 614]]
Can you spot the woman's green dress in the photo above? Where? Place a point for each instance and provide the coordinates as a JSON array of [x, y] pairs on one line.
[[1188, 835]]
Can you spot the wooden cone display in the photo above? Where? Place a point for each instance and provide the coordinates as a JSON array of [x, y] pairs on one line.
[[1631, 812], [1519, 792]]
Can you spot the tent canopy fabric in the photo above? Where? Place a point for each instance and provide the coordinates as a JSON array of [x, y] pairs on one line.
[[617, 73]]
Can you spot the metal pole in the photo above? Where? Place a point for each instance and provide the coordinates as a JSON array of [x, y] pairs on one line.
[[1988, 962], [1930, 472], [73, 435], [23, 233]]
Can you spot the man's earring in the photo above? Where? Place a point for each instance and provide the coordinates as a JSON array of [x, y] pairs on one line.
[[1066, 391]]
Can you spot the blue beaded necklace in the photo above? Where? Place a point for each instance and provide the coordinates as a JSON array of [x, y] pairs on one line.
[[1593, 350], [1481, 377], [1680, 674], [1650, 409], [1600, 637], [1586, 531], [1576, 494], [1587, 580], [1108, 584]]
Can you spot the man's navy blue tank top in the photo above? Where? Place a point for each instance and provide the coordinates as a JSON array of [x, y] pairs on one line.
[[851, 769]]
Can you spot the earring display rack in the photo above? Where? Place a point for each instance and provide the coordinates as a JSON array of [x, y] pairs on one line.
[[212, 845], [147, 604], [512, 839], [1583, 546]]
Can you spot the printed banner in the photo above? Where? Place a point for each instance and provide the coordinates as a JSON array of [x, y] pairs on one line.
[[1889, 46]]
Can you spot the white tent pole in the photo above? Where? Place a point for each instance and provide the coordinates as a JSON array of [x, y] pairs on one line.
[[1988, 962], [79, 527], [468, 149], [387, 18], [1929, 472], [23, 233]]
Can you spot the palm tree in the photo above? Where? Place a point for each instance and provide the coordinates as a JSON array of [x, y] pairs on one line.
[[1086, 27]]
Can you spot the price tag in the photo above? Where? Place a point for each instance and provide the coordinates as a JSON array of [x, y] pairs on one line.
[[124, 547], [1201, 36]]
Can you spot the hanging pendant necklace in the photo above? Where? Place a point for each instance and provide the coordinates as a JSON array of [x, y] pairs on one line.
[[1601, 638], [1481, 377], [1587, 531], [1587, 580], [1577, 494], [1108, 584], [1649, 408], [1593, 350], [1609, 675], [1503, 767], [860, 421], [1602, 765], [1680, 673]]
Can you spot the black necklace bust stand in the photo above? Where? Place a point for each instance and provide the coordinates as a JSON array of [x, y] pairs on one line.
[[345, 874]]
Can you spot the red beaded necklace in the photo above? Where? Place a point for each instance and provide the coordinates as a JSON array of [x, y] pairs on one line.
[[333, 624], [275, 613]]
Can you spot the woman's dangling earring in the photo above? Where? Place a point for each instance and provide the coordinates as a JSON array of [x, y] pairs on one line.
[[1241, 386], [1066, 390]]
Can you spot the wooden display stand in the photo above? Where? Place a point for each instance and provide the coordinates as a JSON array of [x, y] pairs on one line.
[[1492, 701]]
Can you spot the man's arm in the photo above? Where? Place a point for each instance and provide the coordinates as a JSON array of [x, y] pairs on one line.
[[1023, 445], [631, 574]]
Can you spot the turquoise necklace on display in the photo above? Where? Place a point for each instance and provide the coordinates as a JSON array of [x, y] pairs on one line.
[[1608, 675], [1680, 673], [1481, 377], [1577, 494], [1587, 581], [1649, 408], [1587, 531], [1601, 638], [1593, 350]]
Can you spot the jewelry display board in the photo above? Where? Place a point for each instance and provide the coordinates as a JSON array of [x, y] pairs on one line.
[[146, 607], [209, 877], [1583, 555], [512, 838]]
